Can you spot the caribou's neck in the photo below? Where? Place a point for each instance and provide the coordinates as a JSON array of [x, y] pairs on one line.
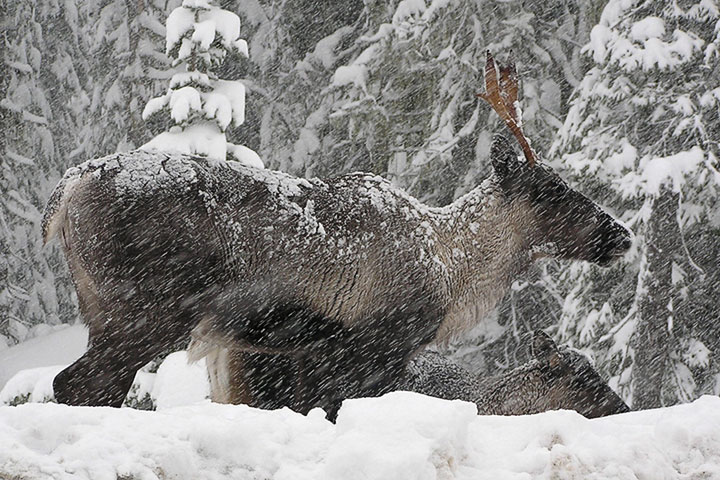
[[485, 245]]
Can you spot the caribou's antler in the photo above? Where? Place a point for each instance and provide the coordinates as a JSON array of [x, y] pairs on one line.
[[502, 95]]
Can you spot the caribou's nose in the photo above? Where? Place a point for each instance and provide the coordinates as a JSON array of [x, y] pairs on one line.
[[624, 243]]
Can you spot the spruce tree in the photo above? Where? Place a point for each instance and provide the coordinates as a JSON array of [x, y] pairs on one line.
[[41, 102], [641, 136], [199, 37]]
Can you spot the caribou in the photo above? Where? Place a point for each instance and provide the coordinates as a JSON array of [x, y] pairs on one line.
[[555, 378], [349, 275]]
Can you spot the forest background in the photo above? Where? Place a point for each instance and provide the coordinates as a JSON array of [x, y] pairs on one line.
[[621, 97]]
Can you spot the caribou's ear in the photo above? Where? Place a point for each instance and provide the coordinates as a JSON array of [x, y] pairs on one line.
[[544, 350], [504, 160]]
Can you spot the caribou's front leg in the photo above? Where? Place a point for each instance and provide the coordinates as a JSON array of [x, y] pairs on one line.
[[104, 374], [96, 380]]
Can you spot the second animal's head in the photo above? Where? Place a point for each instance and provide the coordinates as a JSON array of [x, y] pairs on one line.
[[572, 382]]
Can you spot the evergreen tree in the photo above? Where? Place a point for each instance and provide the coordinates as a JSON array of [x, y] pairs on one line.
[[394, 92], [41, 102], [123, 40], [642, 136], [199, 36]]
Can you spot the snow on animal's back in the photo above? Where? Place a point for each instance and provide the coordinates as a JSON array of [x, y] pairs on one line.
[[353, 204]]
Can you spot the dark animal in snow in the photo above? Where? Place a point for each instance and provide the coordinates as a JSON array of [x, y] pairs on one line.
[[350, 274], [555, 378]]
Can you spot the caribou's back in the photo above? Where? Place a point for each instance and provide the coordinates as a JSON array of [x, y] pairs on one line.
[[189, 223]]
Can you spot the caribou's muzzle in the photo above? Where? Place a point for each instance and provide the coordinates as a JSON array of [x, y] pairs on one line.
[[614, 246]]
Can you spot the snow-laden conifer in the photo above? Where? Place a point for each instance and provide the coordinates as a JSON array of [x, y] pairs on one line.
[[642, 133], [41, 100], [199, 37]]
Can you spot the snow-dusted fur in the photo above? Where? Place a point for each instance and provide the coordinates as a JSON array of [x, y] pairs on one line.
[[555, 378], [351, 272]]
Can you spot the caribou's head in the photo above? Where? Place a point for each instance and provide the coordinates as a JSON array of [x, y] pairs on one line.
[[564, 223], [571, 381]]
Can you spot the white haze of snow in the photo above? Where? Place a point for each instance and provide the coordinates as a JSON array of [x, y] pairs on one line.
[[398, 436], [60, 347]]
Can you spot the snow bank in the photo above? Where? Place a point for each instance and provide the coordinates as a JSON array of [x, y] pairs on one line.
[[401, 435]]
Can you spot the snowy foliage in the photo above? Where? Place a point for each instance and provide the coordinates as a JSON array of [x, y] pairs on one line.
[[642, 132], [40, 101], [199, 36], [396, 96]]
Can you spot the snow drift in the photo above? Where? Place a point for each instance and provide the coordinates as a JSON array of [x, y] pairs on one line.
[[398, 436]]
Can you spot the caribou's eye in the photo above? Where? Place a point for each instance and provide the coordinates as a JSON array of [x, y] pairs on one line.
[[558, 188]]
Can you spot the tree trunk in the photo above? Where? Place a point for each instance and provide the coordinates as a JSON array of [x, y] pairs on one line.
[[652, 333]]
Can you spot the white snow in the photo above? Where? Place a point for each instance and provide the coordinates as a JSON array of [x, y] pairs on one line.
[[200, 139], [696, 354], [182, 101], [204, 33], [225, 23], [407, 9], [346, 74], [355, 73], [245, 155], [178, 383], [399, 436], [648, 27], [644, 49], [155, 105], [234, 92], [33, 383], [671, 169], [216, 106], [179, 22], [206, 22]]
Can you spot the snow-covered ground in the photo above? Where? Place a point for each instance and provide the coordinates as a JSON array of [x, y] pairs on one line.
[[399, 436]]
